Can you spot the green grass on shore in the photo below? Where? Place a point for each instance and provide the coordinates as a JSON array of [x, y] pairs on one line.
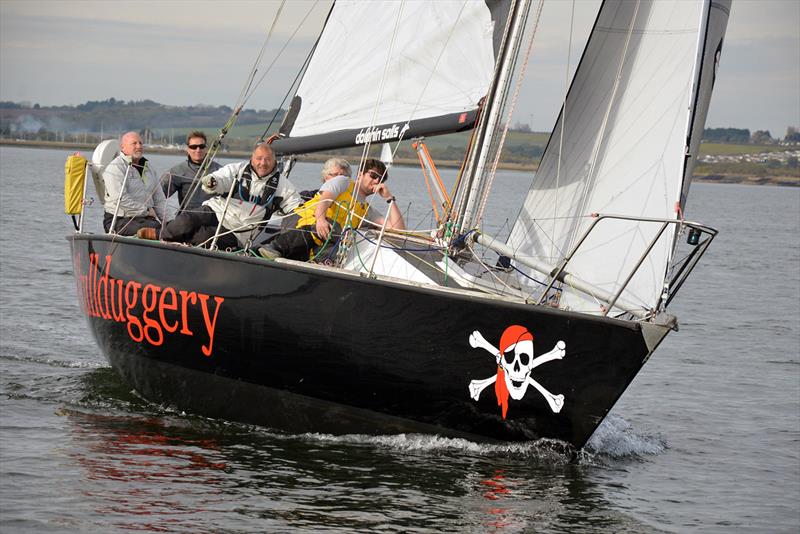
[[522, 151], [721, 149], [248, 133]]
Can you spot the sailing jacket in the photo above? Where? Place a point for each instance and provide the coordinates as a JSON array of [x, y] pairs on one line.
[[142, 188], [252, 200], [179, 180], [342, 187]]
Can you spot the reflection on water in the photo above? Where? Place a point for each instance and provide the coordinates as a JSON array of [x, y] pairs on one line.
[[152, 469], [137, 470]]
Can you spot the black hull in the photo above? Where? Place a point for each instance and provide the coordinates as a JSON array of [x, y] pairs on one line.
[[306, 348]]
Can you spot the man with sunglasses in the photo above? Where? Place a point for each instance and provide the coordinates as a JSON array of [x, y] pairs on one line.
[[179, 178], [340, 202]]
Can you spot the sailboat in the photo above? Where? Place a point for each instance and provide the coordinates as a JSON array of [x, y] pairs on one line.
[[535, 335]]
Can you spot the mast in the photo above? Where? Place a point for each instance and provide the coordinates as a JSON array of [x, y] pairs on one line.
[[475, 177]]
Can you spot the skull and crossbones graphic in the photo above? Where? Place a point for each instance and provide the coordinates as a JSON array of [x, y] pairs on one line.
[[515, 362]]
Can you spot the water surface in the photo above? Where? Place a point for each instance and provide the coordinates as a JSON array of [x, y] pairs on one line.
[[707, 438]]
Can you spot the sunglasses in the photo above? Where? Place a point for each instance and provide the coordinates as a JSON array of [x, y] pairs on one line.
[[375, 176], [195, 147]]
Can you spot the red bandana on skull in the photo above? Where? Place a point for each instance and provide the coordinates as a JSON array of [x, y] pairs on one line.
[[511, 336]]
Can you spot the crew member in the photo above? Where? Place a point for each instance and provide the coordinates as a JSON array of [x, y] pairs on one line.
[[133, 191]]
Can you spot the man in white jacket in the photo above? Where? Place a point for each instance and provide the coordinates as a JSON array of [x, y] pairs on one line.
[[258, 191], [133, 190]]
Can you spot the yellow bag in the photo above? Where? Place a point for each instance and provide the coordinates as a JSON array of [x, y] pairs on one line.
[[74, 178]]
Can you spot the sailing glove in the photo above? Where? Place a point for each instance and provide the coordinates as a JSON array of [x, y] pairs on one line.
[[209, 183]]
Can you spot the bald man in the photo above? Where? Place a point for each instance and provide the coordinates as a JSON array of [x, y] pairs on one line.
[[133, 190], [259, 191]]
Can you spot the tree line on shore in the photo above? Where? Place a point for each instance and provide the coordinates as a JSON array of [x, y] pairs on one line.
[[742, 136], [112, 116], [93, 117], [166, 125]]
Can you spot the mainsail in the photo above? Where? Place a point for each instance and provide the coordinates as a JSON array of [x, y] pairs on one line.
[[385, 71], [623, 145]]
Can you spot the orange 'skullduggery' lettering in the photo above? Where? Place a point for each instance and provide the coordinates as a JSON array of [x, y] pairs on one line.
[[151, 311]]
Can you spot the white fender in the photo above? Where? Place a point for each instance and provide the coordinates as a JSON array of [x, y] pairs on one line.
[[103, 154]]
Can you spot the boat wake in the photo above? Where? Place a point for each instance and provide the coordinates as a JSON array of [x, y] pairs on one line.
[[42, 359], [616, 438], [550, 450]]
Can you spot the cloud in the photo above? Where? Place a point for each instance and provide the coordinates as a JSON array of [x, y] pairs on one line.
[[186, 52], [204, 17], [94, 58], [754, 20]]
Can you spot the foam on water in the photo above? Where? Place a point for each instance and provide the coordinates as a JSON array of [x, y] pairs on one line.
[[616, 438], [54, 362]]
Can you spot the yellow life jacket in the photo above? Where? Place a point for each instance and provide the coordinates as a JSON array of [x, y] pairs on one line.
[[336, 212]]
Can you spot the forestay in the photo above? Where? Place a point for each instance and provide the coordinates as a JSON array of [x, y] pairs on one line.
[[388, 70], [625, 147]]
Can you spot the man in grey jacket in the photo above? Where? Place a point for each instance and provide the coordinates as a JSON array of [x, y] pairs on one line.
[[180, 177], [134, 198]]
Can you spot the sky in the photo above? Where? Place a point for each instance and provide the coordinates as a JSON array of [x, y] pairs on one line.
[[189, 52]]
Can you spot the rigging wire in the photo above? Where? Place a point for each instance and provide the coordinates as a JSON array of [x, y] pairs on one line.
[[254, 69], [292, 88], [382, 85], [216, 144], [499, 148], [590, 175], [463, 166], [432, 71], [493, 275], [461, 194], [283, 48], [245, 94], [563, 118], [378, 98]]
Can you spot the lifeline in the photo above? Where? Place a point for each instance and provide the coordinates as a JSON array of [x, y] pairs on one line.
[[116, 299]]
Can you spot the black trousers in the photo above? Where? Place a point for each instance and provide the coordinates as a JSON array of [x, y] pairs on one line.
[[197, 227], [298, 243], [129, 225], [295, 244]]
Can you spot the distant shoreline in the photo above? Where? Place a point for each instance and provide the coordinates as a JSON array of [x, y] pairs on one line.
[[728, 178], [89, 147]]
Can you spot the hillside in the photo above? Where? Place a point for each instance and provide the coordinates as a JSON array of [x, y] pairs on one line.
[[160, 123], [732, 155]]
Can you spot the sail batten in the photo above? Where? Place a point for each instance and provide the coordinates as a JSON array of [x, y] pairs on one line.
[[424, 77]]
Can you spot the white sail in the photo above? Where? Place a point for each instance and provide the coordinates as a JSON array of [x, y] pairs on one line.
[[387, 157], [626, 123], [719, 11], [387, 70]]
